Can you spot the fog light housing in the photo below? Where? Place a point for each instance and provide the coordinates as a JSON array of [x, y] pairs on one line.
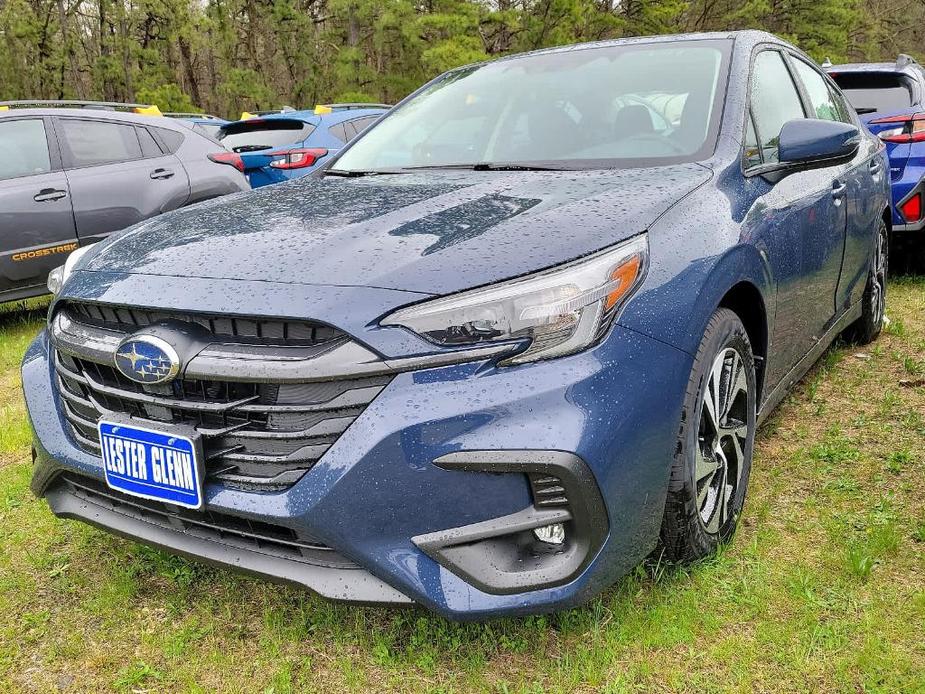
[[551, 534]]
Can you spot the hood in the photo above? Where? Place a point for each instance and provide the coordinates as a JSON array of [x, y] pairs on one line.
[[433, 232]]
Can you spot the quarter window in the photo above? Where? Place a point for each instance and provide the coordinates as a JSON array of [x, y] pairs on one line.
[[149, 147], [775, 101], [24, 147], [752, 154], [820, 96], [95, 142]]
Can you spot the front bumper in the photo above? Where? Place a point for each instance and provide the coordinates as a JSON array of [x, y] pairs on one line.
[[380, 501]]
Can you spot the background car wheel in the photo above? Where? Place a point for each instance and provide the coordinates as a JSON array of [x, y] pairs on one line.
[[873, 306], [709, 476]]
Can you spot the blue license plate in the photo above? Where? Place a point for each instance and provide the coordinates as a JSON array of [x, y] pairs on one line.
[[158, 465]]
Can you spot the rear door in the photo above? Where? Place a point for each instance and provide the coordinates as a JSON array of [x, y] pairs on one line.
[[119, 175], [863, 176], [36, 221]]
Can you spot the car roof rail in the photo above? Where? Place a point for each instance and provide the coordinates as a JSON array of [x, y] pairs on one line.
[[146, 109], [180, 114], [904, 60], [348, 106]]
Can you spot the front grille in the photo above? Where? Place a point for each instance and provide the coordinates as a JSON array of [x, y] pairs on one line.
[[230, 328], [259, 436], [235, 531]]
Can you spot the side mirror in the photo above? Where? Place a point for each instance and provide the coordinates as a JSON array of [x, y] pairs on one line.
[[809, 142]]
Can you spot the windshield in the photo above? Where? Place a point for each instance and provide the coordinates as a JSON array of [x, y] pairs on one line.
[[647, 103], [871, 92], [255, 135]]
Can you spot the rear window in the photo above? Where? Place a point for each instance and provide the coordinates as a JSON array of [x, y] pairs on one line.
[[253, 136], [870, 92]]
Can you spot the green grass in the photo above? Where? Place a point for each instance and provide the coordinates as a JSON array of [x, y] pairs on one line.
[[822, 589]]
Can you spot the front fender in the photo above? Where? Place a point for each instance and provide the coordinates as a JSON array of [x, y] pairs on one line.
[[694, 263]]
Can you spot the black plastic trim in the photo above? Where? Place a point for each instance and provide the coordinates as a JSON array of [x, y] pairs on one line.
[[479, 552], [355, 585]]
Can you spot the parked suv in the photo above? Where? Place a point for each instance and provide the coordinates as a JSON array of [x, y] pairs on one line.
[[72, 176], [890, 98], [290, 144], [486, 373]]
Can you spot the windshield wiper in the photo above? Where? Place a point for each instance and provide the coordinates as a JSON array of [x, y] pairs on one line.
[[487, 166], [350, 173]]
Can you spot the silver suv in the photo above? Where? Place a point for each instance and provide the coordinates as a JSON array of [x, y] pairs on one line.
[[71, 173]]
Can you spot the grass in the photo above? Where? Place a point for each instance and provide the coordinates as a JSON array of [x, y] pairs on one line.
[[822, 589]]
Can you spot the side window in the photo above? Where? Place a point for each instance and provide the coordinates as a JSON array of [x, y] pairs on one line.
[[24, 147], [171, 138], [351, 129], [360, 124], [820, 96], [752, 152], [841, 105], [338, 131], [775, 101], [92, 142], [149, 147]]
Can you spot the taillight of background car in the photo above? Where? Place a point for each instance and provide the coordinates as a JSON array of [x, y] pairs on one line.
[[298, 158], [907, 128], [911, 207], [229, 158]]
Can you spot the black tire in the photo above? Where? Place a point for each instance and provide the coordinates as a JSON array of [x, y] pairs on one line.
[[867, 328], [690, 531]]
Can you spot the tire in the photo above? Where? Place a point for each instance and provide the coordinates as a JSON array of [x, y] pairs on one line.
[[867, 328], [709, 475]]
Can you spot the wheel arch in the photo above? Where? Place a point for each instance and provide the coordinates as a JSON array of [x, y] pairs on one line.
[[746, 301]]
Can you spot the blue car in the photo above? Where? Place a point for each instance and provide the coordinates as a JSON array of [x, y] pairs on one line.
[[291, 144], [517, 337], [202, 123], [890, 98]]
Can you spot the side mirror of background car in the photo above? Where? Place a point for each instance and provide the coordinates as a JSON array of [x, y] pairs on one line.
[[808, 143]]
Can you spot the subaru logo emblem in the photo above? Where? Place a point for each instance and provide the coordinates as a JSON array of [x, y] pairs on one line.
[[147, 359]]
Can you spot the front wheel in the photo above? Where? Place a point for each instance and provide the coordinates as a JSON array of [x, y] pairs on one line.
[[873, 305], [709, 475]]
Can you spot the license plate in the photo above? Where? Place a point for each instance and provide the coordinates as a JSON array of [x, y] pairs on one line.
[[158, 465]]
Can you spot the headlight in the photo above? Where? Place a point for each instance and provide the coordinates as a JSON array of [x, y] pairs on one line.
[[59, 275], [560, 311]]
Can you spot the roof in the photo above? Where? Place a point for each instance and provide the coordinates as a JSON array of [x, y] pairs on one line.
[[89, 113], [746, 39], [904, 65], [309, 116]]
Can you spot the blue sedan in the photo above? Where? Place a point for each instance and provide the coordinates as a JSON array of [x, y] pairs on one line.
[[291, 144], [514, 339]]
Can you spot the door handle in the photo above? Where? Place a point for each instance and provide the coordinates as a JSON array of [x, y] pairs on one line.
[[838, 189], [159, 174], [49, 195], [875, 167]]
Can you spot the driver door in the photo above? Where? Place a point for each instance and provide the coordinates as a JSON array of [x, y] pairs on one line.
[[799, 219]]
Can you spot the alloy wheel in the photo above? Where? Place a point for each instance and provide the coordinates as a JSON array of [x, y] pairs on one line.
[[723, 433]]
